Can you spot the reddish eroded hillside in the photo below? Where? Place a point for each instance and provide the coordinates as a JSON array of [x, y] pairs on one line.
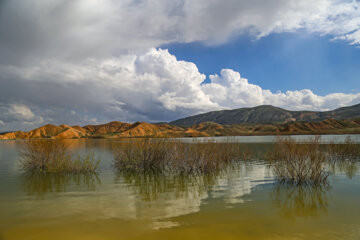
[[47, 131], [111, 127], [143, 129]]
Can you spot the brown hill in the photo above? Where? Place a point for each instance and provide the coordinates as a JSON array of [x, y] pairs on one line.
[[13, 135], [47, 131], [140, 129], [111, 127], [143, 129]]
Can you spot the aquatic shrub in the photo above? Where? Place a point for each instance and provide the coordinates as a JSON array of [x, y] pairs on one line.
[[200, 157], [298, 163], [141, 155], [343, 157], [160, 155], [52, 156], [347, 150]]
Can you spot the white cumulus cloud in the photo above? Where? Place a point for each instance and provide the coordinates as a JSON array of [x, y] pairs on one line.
[[151, 86], [230, 90]]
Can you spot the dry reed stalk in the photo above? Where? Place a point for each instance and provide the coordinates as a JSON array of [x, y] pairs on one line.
[[160, 155], [52, 156], [299, 163]]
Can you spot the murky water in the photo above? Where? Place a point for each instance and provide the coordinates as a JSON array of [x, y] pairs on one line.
[[239, 203]]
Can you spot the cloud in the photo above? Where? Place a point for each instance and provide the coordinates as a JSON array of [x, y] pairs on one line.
[[98, 58], [230, 90], [13, 114], [151, 86], [74, 30]]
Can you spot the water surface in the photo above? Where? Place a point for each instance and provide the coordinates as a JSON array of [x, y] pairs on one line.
[[239, 203]]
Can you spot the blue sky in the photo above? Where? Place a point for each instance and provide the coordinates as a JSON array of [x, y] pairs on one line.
[[285, 61]]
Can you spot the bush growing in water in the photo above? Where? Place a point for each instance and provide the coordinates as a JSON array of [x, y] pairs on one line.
[[292, 162], [343, 157], [156, 155], [52, 156], [348, 150], [299, 163]]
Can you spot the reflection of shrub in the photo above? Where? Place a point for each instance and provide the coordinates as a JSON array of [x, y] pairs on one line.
[[40, 183], [146, 155], [150, 186], [46, 155], [300, 201], [298, 163]]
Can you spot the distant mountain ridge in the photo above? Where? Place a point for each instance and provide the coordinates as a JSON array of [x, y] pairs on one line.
[[204, 129], [268, 114], [261, 120]]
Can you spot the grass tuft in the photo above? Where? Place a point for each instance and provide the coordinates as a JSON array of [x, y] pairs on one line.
[[299, 163], [160, 155], [52, 156]]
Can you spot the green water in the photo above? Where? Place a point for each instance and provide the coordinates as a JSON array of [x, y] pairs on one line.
[[239, 203]]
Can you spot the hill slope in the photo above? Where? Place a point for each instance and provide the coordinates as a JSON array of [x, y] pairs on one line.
[[268, 114], [205, 129], [261, 120]]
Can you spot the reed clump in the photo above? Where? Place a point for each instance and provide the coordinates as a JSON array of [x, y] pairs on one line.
[[299, 163], [52, 156], [343, 157], [160, 155], [347, 150]]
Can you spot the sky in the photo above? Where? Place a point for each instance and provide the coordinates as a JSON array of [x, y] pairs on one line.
[[82, 62]]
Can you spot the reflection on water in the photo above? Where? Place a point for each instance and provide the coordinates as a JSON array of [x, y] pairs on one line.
[[152, 186], [300, 201], [39, 184], [349, 167], [160, 196], [239, 203]]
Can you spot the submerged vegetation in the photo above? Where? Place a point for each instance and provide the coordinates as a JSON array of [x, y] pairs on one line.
[[311, 162], [343, 157], [158, 155], [295, 163], [52, 156], [299, 163], [292, 162], [348, 150]]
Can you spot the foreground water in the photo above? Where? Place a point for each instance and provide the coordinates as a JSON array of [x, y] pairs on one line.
[[239, 203]]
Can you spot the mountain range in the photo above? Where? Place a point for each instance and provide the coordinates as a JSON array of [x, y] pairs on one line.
[[268, 114], [261, 120]]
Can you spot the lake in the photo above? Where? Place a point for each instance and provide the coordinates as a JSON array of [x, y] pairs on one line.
[[242, 202]]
